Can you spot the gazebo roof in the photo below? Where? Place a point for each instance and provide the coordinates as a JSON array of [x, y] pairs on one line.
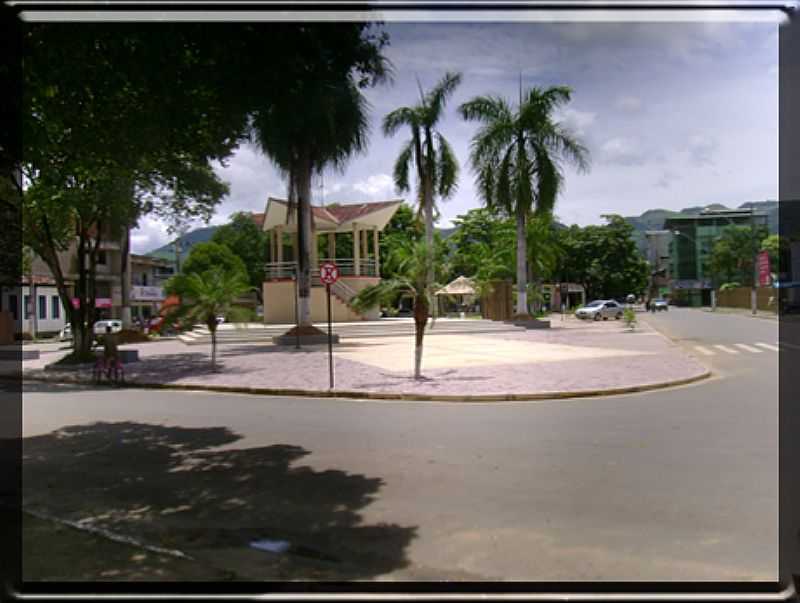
[[460, 286], [335, 217]]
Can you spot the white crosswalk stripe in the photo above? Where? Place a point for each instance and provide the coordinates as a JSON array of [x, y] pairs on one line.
[[748, 348], [711, 350]]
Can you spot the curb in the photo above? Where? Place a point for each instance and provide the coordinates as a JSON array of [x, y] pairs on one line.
[[356, 395]]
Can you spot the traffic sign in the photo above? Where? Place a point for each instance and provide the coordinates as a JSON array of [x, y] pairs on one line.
[[328, 273]]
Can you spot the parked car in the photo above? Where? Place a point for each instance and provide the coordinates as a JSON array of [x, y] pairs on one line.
[[100, 326], [600, 308], [66, 333], [220, 319], [661, 305]]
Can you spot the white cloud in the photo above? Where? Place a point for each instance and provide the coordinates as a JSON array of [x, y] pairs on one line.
[[702, 150], [629, 103], [577, 121], [377, 184], [150, 234], [622, 151]]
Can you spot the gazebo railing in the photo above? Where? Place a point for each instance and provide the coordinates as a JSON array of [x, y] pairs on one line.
[[278, 270]]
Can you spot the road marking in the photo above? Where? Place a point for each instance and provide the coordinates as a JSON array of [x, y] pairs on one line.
[[703, 350], [748, 348], [726, 349], [768, 346]]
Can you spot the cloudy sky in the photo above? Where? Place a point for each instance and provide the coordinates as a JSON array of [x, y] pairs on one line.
[[674, 114]]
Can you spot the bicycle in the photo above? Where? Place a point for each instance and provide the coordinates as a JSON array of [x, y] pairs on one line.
[[113, 372]]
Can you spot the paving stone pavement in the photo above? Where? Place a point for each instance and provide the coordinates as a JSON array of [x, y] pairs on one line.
[[572, 356]]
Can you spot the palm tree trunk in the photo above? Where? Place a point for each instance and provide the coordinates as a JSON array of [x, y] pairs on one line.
[[213, 347], [522, 276], [428, 199], [420, 318], [304, 242]]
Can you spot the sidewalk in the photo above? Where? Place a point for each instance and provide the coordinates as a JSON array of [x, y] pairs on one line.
[[572, 358], [740, 312]]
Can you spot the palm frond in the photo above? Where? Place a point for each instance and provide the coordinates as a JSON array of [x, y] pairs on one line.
[[404, 116], [488, 109], [402, 166], [447, 168], [436, 98]]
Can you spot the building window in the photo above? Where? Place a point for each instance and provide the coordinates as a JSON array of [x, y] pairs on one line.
[[27, 301], [101, 257], [55, 307], [144, 279], [42, 307], [13, 306]]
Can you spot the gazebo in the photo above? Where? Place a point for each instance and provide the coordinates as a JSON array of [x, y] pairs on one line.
[[359, 220], [462, 287]]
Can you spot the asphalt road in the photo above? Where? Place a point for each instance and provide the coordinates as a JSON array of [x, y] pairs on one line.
[[677, 484]]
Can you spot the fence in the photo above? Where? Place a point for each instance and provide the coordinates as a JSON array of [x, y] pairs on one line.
[[740, 298]]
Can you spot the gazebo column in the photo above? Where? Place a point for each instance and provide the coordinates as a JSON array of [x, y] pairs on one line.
[[356, 251], [279, 243], [376, 251], [332, 246], [314, 250], [365, 246]]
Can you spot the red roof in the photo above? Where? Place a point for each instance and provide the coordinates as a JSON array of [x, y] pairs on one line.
[[258, 219], [344, 213]]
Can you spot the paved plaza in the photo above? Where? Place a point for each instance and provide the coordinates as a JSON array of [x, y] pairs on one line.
[[573, 356]]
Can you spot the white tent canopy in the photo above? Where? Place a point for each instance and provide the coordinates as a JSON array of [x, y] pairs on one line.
[[460, 286]]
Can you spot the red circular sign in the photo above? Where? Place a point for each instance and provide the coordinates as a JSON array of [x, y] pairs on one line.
[[328, 273]]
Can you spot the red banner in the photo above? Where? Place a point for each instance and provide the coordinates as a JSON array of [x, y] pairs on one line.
[[99, 302], [763, 269]]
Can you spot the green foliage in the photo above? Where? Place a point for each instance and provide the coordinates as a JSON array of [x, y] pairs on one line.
[[733, 253], [629, 316], [208, 294], [729, 286], [203, 258], [516, 156], [779, 250], [604, 259], [247, 241]]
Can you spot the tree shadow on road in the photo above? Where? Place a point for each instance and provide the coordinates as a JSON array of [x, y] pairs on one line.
[[176, 487], [167, 368]]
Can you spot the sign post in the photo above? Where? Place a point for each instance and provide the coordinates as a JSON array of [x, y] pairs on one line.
[[329, 274]]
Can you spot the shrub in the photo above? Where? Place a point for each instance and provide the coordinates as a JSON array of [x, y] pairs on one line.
[[629, 316]]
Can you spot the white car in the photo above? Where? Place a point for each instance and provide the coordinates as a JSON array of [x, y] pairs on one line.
[[101, 325], [66, 333], [600, 308]]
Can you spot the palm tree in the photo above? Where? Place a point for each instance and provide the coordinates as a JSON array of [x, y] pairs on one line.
[[209, 294], [431, 154], [318, 120], [409, 265], [516, 156]]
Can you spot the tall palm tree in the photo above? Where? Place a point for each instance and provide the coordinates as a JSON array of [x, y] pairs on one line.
[[433, 157], [409, 265], [516, 156], [318, 120], [209, 294]]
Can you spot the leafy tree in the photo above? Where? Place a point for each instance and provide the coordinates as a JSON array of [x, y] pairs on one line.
[[318, 119], [604, 259], [202, 258], [733, 253], [516, 155], [779, 251], [206, 295], [482, 246], [246, 240], [409, 263], [428, 150], [105, 140]]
